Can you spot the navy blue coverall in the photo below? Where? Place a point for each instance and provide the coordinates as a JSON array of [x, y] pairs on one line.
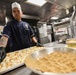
[[19, 34]]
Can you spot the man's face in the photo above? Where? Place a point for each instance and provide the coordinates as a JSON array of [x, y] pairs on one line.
[[17, 14]]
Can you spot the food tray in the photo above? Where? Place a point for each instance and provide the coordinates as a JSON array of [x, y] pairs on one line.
[[11, 68], [30, 60], [16, 59], [71, 42], [69, 47]]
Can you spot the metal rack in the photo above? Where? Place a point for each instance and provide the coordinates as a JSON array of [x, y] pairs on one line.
[[73, 22]]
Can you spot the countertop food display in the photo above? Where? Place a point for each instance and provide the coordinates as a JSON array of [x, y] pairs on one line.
[[16, 59]]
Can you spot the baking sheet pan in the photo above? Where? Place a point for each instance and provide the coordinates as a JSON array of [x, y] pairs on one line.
[[24, 52], [11, 68]]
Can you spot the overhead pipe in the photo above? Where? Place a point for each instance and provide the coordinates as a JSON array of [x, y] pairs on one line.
[[54, 2]]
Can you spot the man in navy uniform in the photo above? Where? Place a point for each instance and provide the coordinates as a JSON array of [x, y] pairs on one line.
[[18, 33]]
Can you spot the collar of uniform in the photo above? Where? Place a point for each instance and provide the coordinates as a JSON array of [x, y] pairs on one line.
[[16, 21]]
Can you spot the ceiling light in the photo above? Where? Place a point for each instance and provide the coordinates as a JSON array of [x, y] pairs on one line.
[[54, 18], [37, 2], [65, 19]]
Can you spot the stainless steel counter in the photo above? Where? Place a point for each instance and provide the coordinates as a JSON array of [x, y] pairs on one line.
[[54, 44], [23, 70]]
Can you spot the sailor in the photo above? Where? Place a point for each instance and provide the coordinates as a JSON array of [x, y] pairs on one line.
[[18, 33]]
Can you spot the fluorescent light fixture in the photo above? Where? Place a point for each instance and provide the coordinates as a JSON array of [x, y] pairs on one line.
[[65, 19], [54, 18], [37, 2]]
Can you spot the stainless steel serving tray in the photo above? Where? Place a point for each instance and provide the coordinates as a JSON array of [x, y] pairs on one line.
[[29, 61]]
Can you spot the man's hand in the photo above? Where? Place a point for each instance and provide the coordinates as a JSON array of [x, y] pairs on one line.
[[2, 54], [38, 44]]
